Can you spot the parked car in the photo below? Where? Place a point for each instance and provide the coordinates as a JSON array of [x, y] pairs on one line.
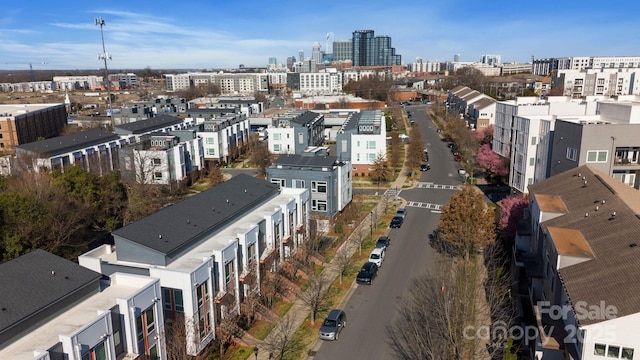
[[367, 273], [401, 212], [377, 256], [457, 157], [425, 167], [383, 242], [396, 222], [333, 325]]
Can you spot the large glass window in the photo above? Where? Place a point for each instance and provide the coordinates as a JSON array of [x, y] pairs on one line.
[[204, 320], [572, 154]]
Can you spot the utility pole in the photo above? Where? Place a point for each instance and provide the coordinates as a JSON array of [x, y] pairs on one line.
[[104, 56]]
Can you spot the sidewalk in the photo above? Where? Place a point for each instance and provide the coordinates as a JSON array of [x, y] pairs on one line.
[[298, 311]]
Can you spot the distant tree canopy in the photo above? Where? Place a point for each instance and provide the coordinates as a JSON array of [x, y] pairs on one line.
[[370, 87], [467, 76]]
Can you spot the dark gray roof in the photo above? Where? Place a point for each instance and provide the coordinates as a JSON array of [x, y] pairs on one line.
[[180, 225], [305, 118], [36, 281], [352, 122], [612, 275], [143, 126], [68, 143], [309, 160]]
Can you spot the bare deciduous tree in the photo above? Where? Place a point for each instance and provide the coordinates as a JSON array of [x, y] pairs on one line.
[[341, 262], [282, 341], [358, 236], [315, 296]]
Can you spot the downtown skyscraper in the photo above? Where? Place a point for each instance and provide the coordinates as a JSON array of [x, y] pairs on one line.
[[371, 50]]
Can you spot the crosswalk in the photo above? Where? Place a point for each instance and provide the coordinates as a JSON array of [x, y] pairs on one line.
[[428, 185], [422, 205]]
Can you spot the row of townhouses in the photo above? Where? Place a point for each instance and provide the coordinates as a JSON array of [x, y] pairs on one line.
[[575, 267], [189, 265]]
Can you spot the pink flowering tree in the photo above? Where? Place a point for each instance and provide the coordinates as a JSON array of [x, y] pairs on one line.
[[493, 165], [485, 136], [511, 210]]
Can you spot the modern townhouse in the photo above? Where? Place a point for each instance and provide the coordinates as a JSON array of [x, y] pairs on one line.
[[162, 123], [326, 177], [162, 158], [54, 309], [459, 100], [25, 123], [295, 131], [575, 267], [608, 142], [482, 112], [210, 250], [225, 135], [145, 110], [247, 105], [361, 139], [95, 150]]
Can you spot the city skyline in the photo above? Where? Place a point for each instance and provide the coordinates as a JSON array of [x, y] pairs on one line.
[[200, 35]]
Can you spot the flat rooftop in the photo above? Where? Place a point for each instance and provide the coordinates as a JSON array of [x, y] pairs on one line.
[[68, 322]]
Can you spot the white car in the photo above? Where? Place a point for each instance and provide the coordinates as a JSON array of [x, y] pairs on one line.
[[377, 256]]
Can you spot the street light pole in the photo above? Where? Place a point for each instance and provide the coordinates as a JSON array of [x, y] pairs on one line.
[[104, 56], [371, 219]]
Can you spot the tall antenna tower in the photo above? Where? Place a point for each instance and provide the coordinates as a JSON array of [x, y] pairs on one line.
[[326, 43], [104, 56]]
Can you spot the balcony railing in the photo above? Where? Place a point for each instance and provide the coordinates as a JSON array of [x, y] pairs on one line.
[[625, 162]]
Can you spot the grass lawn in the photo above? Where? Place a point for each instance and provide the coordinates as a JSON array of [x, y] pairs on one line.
[[260, 329], [282, 308], [238, 353]]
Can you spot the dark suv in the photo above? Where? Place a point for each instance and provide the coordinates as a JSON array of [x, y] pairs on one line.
[[333, 325], [383, 242], [367, 273], [396, 222]]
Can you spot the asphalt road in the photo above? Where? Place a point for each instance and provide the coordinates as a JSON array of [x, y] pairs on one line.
[[371, 308]]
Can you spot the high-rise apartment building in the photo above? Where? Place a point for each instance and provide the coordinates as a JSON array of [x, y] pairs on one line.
[[342, 50], [370, 50], [316, 52]]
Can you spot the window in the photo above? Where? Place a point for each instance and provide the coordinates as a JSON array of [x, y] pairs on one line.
[[319, 205], [145, 327], [319, 186], [211, 151], [343, 144], [572, 154], [298, 184], [204, 319], [280, 182], [533, 140], [532, 161], [97, 353], [228, 276], [157, 161], [613, 351], [371, 145], [172, 301], [371, 157], [157, 175], [276, 136], [597, 156], [210, 141], [627, 353], [276, 147]]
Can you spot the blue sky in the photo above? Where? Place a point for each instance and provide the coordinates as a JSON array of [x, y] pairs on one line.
[[205, 34]]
